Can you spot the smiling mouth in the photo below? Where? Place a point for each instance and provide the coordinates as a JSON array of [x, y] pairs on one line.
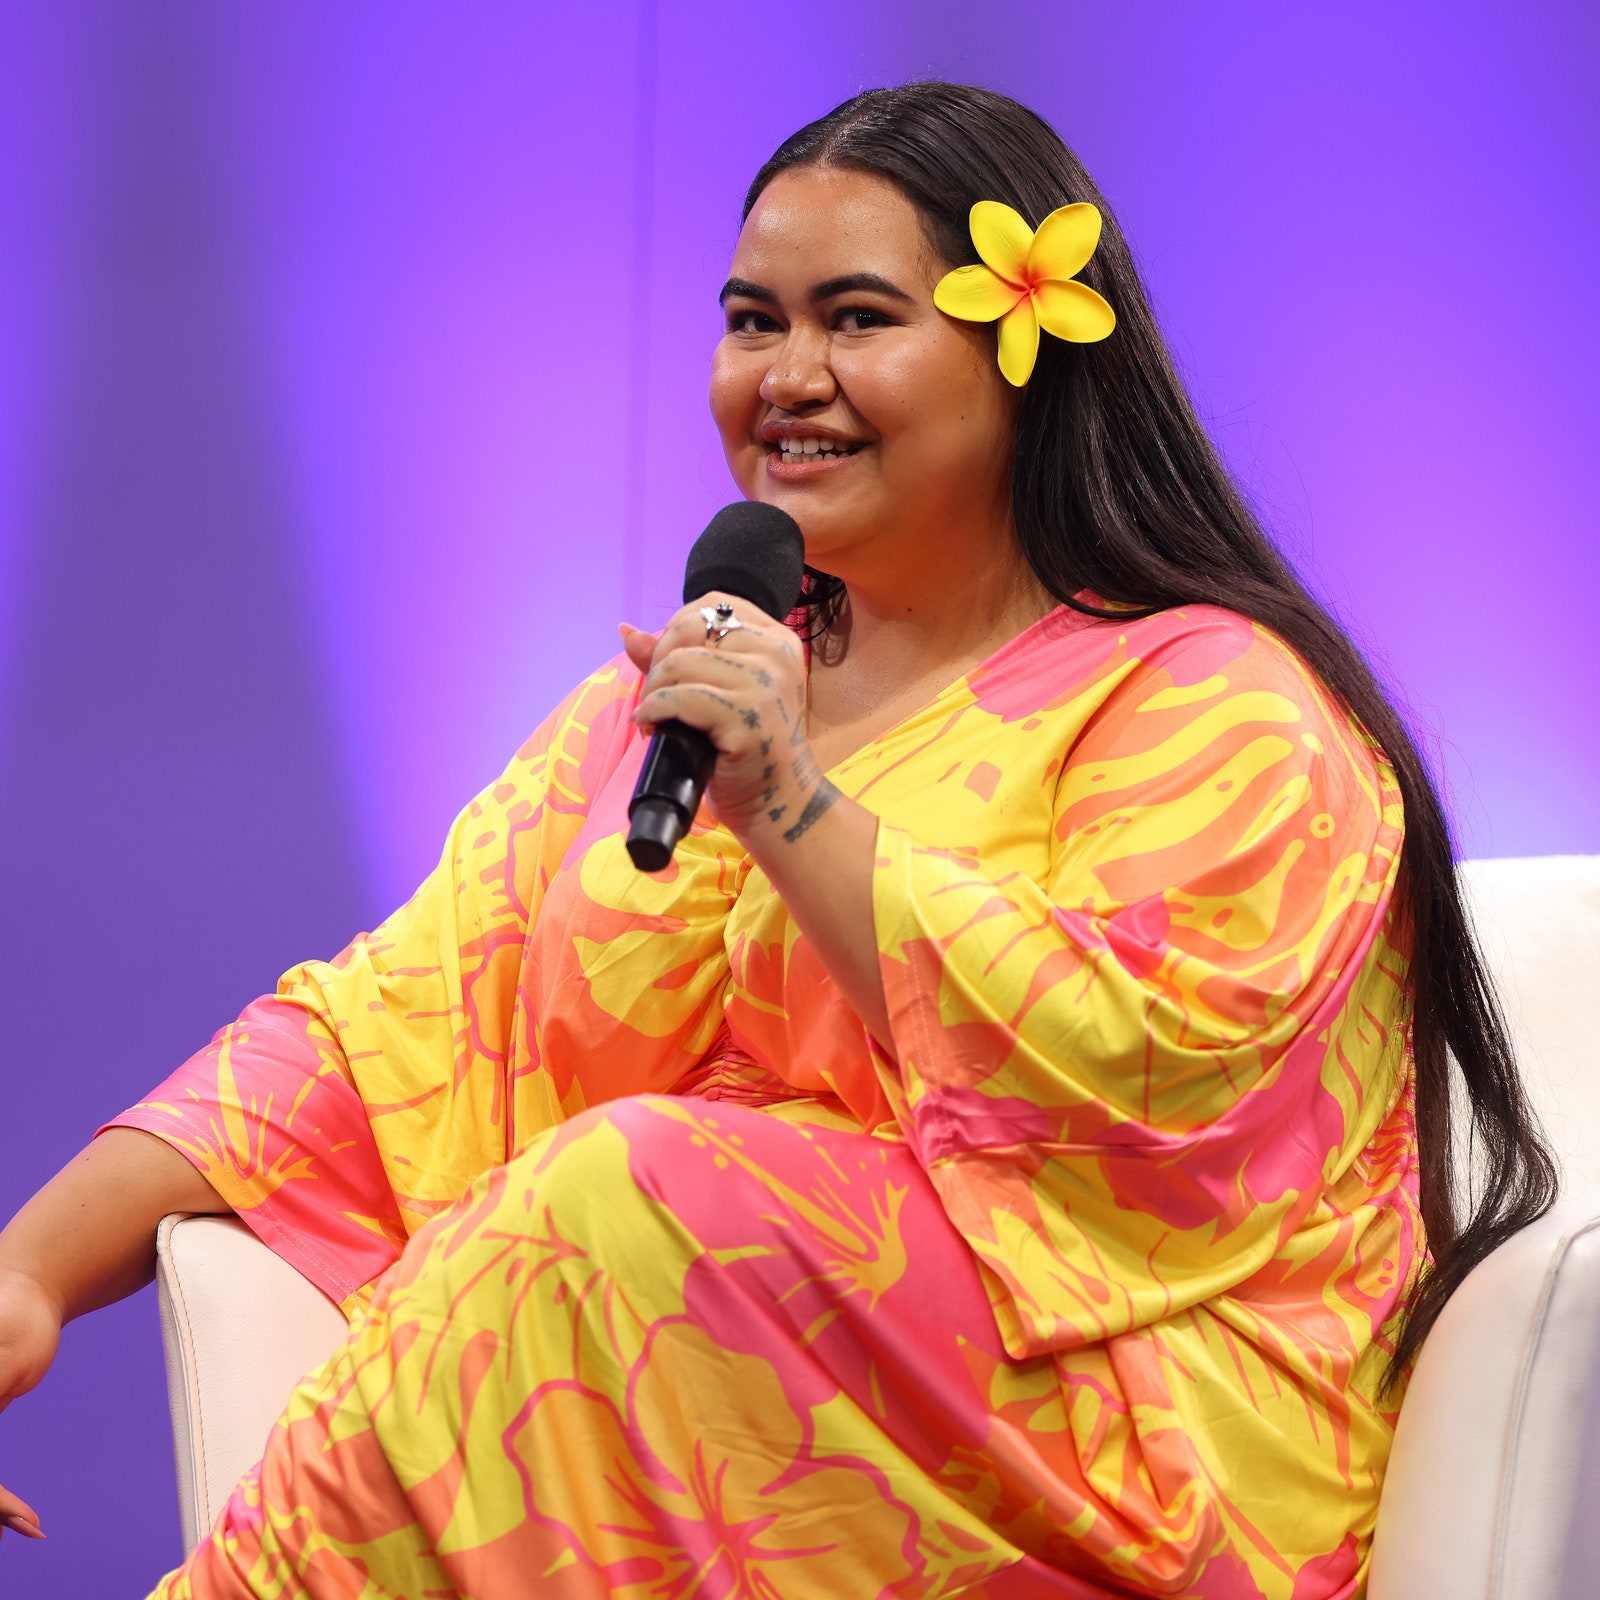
[[795, 452]]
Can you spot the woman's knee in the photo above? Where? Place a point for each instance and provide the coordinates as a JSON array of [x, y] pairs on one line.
[[635, 1190], [581, 1194]]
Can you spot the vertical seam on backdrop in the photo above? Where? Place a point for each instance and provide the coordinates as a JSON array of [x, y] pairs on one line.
[[635, 445]]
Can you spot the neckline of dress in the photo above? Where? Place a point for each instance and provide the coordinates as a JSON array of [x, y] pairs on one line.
[[990, 663]]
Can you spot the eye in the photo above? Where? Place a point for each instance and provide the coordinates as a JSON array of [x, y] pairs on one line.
[[861, 319], [751, 322]]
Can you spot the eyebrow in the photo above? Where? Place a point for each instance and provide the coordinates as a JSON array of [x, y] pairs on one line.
[[850, 283]]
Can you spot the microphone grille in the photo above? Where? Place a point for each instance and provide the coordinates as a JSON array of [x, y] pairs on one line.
[[751, 550]]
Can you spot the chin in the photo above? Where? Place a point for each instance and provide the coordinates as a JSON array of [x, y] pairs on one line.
[[830, 540]]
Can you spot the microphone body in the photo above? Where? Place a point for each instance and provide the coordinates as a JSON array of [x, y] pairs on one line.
[[754, 552], [677, 768]]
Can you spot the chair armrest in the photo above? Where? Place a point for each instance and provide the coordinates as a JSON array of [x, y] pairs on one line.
[[239, 1328], [1495, 1475]]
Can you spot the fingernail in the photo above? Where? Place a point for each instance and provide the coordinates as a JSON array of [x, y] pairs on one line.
[[28, 1530]]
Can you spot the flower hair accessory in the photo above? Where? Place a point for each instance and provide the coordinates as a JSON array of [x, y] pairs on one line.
[[1026, 281]]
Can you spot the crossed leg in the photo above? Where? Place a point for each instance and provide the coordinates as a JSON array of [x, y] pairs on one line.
[[673, 1349]]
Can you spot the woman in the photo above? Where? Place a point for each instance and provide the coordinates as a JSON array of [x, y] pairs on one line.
[[995, 1157]]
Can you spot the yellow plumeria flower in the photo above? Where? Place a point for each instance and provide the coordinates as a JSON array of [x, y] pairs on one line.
[[1026, 282]]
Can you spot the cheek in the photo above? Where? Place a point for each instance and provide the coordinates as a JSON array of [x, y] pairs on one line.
[[941, 403], [735, 390]]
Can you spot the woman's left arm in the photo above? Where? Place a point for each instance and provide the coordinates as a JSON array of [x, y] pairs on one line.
[[1138, 1077], [815, 845]]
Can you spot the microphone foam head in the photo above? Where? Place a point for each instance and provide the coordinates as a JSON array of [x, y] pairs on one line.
[[751, 550]]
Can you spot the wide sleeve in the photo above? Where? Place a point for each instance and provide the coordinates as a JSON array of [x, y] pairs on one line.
[[1130, 1082], [338, 1114]]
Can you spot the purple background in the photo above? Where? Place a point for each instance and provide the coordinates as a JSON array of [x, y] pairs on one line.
[[352, 368]]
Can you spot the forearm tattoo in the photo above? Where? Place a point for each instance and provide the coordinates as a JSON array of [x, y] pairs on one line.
[[805, 769], [819, 802]]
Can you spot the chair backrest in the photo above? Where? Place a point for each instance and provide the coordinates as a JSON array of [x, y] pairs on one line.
[[1538, 922], [1496, 1466]]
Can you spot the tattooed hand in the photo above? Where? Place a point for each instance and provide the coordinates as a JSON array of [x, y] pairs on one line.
[[815, 846], [749, 694]]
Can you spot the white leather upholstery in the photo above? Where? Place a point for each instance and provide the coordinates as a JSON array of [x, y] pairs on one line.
[[240, 1327], [1494, 1489], [1538, 921], [1494, 1484]]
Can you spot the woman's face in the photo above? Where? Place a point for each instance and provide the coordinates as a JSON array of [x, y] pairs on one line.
[[901, 424]]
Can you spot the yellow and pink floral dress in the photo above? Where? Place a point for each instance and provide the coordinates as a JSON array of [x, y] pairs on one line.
[[665, 1280]]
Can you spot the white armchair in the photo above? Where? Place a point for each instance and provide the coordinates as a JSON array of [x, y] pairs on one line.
[[1493, 1490], [1497, 1458]]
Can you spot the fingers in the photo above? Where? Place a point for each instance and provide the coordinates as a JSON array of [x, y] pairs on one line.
[[747, 611], [743, 689], [687, 630], [729, 715], [17, 1515], [709, 664], [688, 627], [700, 706], [723, 684], [639, 645]]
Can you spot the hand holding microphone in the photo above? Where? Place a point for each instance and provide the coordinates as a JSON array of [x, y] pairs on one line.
[[725, 690], [737, 695]]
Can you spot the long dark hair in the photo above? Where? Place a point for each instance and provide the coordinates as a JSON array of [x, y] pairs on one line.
[[1117, 489]]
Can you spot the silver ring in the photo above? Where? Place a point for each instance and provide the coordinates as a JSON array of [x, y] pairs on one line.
[[720, 622]]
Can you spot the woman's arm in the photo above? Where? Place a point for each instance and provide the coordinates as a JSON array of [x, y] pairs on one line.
[[88, 1237], [824, 874], [85, 1239], [815, 845]]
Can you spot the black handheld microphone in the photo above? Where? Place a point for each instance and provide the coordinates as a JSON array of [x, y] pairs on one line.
[[756, 552]]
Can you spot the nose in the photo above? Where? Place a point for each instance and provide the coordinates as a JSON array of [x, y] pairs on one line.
[[801, 376]]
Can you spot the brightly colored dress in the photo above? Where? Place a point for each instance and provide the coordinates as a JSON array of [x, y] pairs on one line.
[[1086, 1288]]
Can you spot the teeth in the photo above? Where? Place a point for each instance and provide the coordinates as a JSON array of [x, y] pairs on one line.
[[796, 450]]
